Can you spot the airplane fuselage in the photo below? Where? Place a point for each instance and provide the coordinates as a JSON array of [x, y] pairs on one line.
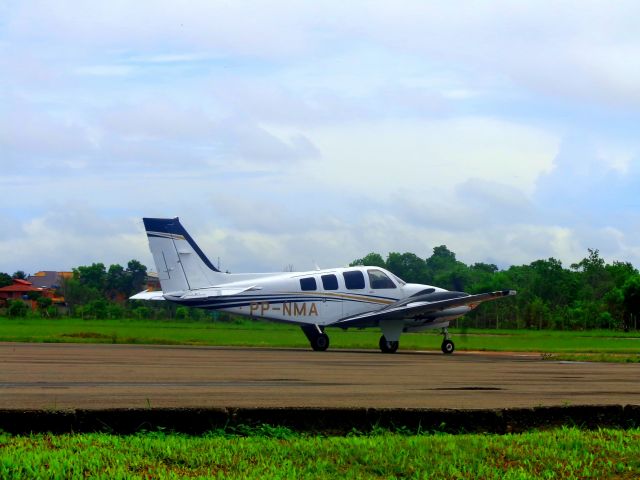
[[318, 297]]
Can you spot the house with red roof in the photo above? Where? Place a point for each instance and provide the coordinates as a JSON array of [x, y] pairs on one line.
[[21, 289]]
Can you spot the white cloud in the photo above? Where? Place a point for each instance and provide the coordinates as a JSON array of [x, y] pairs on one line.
[[31, 138], [432, 157], [71, 237]]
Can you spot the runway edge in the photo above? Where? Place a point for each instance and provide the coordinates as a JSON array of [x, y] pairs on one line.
[[334, 421]]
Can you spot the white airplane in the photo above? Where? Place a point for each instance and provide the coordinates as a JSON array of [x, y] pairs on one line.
[[353, 297]]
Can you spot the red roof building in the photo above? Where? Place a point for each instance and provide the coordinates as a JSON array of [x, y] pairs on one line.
[[18, 290], [21, 289]]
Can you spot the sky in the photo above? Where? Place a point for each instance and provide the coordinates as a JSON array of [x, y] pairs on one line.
[[309, 134]]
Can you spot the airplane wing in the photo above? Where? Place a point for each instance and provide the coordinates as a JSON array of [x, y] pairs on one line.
[[418, 308]]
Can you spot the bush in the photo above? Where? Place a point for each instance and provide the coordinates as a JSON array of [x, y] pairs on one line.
[[142, 313], [115, 311], [43, 303], [97, 308], [17, 308], [605, 320], [197, 314]]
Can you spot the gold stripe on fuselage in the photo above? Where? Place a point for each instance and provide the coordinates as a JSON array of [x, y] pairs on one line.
[[382, 301]]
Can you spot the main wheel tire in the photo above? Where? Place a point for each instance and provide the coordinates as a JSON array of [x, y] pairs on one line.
[[320, 343], [388, 347], [448, 347]]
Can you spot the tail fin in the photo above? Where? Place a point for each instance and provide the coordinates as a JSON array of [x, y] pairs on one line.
[[180, 263]]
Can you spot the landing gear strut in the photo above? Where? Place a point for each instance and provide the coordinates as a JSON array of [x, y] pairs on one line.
[[388, 347], [317, 338], [447, 345]]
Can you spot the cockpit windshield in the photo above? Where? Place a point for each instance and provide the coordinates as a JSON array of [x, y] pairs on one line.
[[379, 279]]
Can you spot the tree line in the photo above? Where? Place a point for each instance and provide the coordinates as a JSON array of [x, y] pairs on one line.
[[586, 295], [589, 294]]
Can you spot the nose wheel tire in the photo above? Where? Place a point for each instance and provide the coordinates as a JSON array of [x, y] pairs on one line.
[[320, 343], [388, 347], [448, 347]]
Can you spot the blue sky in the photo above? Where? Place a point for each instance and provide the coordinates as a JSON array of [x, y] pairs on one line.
[[311, 133]]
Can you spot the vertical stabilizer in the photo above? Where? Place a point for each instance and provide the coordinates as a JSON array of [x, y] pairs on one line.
[[180, 263]]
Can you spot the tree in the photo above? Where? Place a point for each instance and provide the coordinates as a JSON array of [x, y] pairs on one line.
[[480, 277], [441, 260], [93, 276], [138, 276], [620, 272], [444, 270], [487, 268], [5, 279], [614, 301], [19, 275], [551, 282], [631, 302], [117, 281], [596, 280], [370, 260], [76, 293], [407, 266]]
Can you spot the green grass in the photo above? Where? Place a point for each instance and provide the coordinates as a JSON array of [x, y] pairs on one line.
[[561, 453], [617, 345]]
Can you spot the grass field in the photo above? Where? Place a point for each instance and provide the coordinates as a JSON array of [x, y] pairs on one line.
[[279, 453], [597, 345]]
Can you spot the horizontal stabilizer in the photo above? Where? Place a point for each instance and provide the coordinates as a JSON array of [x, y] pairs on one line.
[[202, 294], [148, 295], [215, 292]]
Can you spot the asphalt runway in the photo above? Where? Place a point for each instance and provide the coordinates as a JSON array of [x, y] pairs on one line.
[[94, 376]]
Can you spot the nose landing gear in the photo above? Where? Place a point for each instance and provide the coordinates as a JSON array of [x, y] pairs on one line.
[[387, 346], [447, 346]]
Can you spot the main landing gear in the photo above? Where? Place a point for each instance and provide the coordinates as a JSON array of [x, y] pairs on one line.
[[320, 343], [387, 346], [317, 338], [447, 345]]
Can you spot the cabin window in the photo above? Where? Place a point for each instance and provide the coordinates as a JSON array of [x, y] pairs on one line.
[[329, 282], [354, 280], [307, 284], [378, 279]]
